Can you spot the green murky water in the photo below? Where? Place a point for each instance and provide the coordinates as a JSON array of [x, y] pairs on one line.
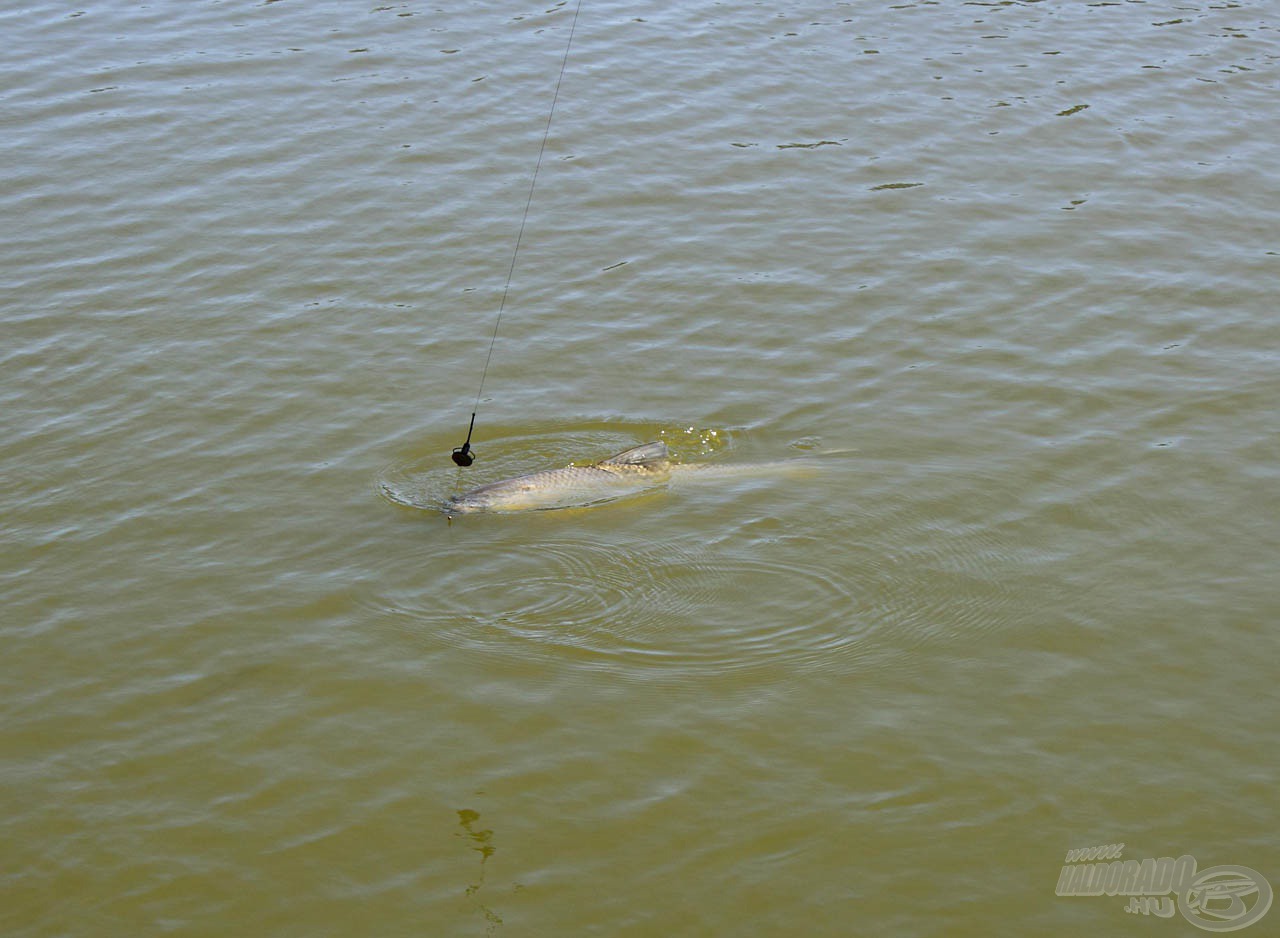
[[1018, 262]]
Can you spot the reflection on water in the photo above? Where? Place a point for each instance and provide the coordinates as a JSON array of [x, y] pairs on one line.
[[483, 844]]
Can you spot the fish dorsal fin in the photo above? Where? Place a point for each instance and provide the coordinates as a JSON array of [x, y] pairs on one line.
[[643, 455]]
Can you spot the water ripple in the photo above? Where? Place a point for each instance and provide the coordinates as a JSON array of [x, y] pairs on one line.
[[634, 609]]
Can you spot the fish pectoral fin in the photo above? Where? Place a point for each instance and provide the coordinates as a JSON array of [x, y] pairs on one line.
[[645, 455]]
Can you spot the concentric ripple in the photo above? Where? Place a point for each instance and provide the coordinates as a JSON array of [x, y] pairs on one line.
[[637, 608]]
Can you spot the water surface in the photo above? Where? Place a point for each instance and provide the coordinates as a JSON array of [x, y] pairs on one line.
[[1017, 260]]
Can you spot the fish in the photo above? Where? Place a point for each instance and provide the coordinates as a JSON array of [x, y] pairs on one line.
[[631, 472]]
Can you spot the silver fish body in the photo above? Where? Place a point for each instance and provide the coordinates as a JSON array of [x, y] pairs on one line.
[[627, 473], [630, 472]]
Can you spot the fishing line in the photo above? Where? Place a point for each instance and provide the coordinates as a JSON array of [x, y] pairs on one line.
[[462, 455]]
